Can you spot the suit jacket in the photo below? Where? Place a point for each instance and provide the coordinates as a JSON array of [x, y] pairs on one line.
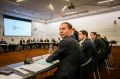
[[70, 56], [22, 41], [99, 44], [3, 42], [101, 51], [88, 49], [106, 44]]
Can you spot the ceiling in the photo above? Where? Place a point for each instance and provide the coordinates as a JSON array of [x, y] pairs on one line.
[[40, 10]]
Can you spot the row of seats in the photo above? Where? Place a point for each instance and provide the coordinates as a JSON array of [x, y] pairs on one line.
[[91, 67]]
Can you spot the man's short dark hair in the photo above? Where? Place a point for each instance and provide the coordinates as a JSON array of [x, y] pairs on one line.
[[68, 24], [84, 32], [98, 35], [94, 33]]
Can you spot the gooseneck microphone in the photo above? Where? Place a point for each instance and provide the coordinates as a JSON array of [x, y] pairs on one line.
[[28, 60]]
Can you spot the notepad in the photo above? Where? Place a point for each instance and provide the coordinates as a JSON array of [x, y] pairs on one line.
[[34, 67], [45, 63], [21, 70]]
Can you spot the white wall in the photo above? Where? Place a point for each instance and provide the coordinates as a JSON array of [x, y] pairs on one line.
[[101, 23], [1, 25], [39, 30]]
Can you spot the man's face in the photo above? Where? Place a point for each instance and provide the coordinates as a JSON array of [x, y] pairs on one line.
[[92, 36], [64, 30], [81, 36]]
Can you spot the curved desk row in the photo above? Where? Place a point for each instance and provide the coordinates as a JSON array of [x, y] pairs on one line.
[[29, 71]]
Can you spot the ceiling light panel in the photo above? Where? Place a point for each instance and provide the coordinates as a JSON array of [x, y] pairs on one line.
[[67, 0], [19, 0], [105, 1], [64, 8], [51, 6]]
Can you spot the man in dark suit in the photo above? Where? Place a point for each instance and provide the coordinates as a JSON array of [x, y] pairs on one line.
[[12, 45], [101, 48], [5, 44], [100, 45], [87, 46], [106, 43], [22, 43], [89, 51], [68, 53]]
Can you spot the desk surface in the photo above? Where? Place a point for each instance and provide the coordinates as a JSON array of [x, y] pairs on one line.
[[30, 73]]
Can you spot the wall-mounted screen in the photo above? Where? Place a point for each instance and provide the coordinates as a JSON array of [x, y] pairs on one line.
[[16, 26]]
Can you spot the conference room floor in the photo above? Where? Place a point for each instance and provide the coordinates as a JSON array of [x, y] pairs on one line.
[[7, 58]]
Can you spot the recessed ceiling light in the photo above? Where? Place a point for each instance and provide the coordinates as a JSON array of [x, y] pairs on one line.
[[19, 0], [105, 1], [70, 13], [67, 0], [64, 8], [51, 6]]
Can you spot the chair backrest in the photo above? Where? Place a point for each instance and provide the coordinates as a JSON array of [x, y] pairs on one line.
[[87, 68], [109, 49]]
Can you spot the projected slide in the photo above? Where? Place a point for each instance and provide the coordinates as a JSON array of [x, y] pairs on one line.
[[14, 27]]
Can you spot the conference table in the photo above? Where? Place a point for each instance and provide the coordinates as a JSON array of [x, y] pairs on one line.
[[29, 71]]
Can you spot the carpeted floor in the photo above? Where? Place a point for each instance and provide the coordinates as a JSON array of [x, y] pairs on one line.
[[115, 73], [7, 58]]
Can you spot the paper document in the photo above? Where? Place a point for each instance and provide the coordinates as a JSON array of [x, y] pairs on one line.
[[34, 67], [43, 62], [21, 70], [14, 76], [11, 76], [45, 56], [37, 58]]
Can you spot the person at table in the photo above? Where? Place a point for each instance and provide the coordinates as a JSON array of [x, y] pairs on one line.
[[101, 48], [46, 43], [41, 43], [53, 43], [68, 53], [29, 42], [4, 44], [12, 45], [22, 43], [89, 51]]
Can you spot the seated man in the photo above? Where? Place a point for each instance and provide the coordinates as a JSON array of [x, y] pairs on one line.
[[12, 45], [5, 44], [101, 48], [89, 51], [68, 53], [22, 43]]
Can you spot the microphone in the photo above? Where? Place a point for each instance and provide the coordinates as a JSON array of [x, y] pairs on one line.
[[28, 60]]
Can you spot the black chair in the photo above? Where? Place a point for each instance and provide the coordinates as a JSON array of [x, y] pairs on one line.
[[87, 69]]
